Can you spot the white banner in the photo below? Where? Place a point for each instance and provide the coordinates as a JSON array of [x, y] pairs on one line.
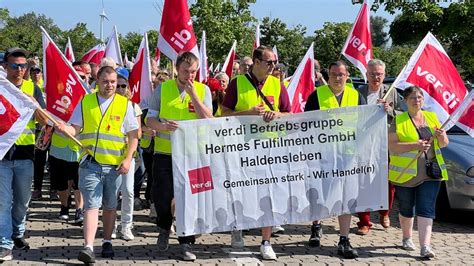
[[236, 173]]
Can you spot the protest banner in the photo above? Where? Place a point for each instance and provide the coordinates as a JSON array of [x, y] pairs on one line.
[[239, 172]]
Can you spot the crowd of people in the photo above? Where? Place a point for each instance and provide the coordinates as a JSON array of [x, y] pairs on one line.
[[124, 145]]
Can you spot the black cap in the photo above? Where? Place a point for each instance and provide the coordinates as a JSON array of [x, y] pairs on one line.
[[15, 50], [35, 67]]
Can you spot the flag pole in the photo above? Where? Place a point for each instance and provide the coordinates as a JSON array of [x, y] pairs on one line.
[[392, 86]]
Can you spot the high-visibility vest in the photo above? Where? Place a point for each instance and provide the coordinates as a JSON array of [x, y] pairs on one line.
[[172, 107], [327, 99], [62, 142], [102, 133], [27, 137], [247, 96], [406, 132], [145, 141]]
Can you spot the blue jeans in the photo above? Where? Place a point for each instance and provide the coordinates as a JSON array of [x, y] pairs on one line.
[[420, 199], [99, 185], [16, 178]]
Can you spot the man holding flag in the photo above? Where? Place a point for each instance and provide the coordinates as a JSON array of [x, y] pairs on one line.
[[16, 168], [267, 97]]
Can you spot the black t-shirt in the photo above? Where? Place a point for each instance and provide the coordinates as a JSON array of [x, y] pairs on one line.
[[312, 103], [25, 152]]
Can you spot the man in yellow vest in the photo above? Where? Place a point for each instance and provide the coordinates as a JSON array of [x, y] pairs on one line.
[[244, 97], [105, 123], [174, 100], [334, 95], [16, 168]]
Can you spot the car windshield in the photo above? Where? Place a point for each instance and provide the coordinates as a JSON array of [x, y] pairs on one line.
[[455, 130]]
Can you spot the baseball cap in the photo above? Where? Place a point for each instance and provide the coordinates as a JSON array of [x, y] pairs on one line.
[[122, 72], [14, 50], [35, 67]]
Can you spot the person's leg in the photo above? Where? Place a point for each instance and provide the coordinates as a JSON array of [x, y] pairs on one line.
[[39, 164], [58, 175], [163, 190], [406, 204], [22, 179], [426, 195], [364, 224], [148, 161], [6, 179], [112, 183], [391, 198], [91, 219], [126, 187]]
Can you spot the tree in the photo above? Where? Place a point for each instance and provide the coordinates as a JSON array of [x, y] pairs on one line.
[[289, 42], [224, 22], [379, 36], [81, 39], [395, 57]]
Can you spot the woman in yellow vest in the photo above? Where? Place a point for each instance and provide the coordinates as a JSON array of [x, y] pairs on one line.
[[415, 189]]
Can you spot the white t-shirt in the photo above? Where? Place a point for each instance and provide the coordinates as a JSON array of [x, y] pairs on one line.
[[130, 122]]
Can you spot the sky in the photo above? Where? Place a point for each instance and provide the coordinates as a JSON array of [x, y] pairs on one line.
[[141, 15]]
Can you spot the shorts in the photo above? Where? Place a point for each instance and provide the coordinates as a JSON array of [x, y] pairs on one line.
[[61, 172], [420, 199], [99, 185]]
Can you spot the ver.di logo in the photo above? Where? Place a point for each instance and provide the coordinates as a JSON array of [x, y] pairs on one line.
[[200, 179]]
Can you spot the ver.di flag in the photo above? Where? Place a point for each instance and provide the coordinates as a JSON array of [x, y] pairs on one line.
[[140, 76], [256, 41], [68, 52], [302, 82], [229, 61], [203, 72], [63, 86], [16, 110], [112, 49], [431, 69], [358, 46], [176, 30], [95, 54]]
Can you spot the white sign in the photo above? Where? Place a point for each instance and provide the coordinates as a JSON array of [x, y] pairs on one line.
[[236, 173]]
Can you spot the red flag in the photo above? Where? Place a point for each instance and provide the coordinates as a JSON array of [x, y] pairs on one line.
[[140, 77], [176, 30], [203, 72], [157, 54], [68, 52], [112, 49], [94, 55], [302, 82], [16, 110], [431, 69], [358, 46], [256, 41], [229, 61], [63, 86]]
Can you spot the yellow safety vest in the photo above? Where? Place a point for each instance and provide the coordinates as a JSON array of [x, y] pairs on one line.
[[406, 132], [27, 137], [172, 107], [247, 96], [102, 134], [327, 99], [61, 142]]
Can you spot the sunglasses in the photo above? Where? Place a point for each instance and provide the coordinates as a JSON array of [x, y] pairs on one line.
[[82, 77], [17, 66], [123, 86], [270, 62]]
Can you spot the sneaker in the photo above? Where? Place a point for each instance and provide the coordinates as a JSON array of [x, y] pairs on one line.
[[137, 204], [152, 211], [127, 233], [86, 255], [316, 234], [114, 232], [5, 254], [236, 240], [407, 244], [64, 213], [345, 249], [278, 229], [187, 253], [79, 216], [426, 252], [107, 250], [20, 243], [163, 239], [363, 230], [36, 195], [267, 252]]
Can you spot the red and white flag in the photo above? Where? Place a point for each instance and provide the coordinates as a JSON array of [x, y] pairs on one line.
[[275, 51], [203, 73], [69, 52], [229, 61], [63, 86], [176, 30], [94, 55], [256, 41], [157, 54], [211, 68], [218, 68], [140, 77], [358, 46], [125, 59], [16, 110], [463, 116], [302, 82], [431, 69], [112, 49]]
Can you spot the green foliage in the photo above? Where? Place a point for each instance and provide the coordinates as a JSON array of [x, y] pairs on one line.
[[224, 22], [289, 42], [379, 36], [81, 39], [395, 57]]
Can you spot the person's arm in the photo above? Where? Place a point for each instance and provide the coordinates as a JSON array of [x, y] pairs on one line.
[[230, 101], [395, 146], [132, 144], [201, 110], [312, 103]]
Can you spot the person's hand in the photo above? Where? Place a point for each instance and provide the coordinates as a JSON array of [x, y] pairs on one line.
[[257, 110], [170, 125], [31, 62], [423, 145], [269, 116], [123, 167], [61, 127], [189, 86], [386, 105], [439, 132]]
